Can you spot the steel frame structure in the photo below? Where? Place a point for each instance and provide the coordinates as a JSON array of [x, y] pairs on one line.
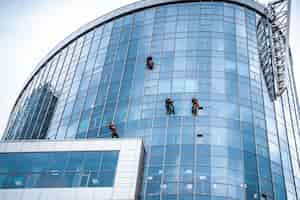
[[273, 45]]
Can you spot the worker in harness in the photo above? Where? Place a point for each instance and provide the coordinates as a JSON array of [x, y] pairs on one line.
[[150, 63], [195, 106], [113, 130], [170, 106]]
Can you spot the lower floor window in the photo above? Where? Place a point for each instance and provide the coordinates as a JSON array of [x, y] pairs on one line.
[[58, 169]]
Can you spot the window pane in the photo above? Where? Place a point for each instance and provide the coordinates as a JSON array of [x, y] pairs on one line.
[[58, 169]]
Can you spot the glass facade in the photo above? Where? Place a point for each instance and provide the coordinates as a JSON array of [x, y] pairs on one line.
[[58, 169], [40, 116], [249, 147]]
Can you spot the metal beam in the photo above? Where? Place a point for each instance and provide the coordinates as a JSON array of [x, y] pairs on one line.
[[273, 36]]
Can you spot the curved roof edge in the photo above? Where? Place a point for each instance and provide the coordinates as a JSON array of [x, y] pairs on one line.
[[139, 5]]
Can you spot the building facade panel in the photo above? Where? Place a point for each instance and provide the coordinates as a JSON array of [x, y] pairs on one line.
[[38, 179], [241, 145]]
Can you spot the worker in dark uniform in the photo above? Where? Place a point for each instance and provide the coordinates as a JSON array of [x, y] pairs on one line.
[[196, 106], [170, 106], [150, 63], [113, 130]]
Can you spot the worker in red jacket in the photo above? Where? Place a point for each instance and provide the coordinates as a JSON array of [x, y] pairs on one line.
[[113, 130], [195, 106]]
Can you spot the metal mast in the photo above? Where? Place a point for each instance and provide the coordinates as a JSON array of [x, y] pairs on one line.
[[273, 45]]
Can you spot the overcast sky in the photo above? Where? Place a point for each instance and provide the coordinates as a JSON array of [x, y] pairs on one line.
[[31, 28]]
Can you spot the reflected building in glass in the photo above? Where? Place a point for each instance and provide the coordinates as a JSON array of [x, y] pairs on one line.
[[242, 145], [35, 115]]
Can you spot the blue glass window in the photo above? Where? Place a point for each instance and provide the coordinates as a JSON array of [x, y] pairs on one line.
[[207, 50], [58, 169]]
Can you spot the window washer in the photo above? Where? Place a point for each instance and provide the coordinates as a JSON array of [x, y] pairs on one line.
[[113, 129], [264, 196], [195, 106], [150, 63], [170, 106]]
